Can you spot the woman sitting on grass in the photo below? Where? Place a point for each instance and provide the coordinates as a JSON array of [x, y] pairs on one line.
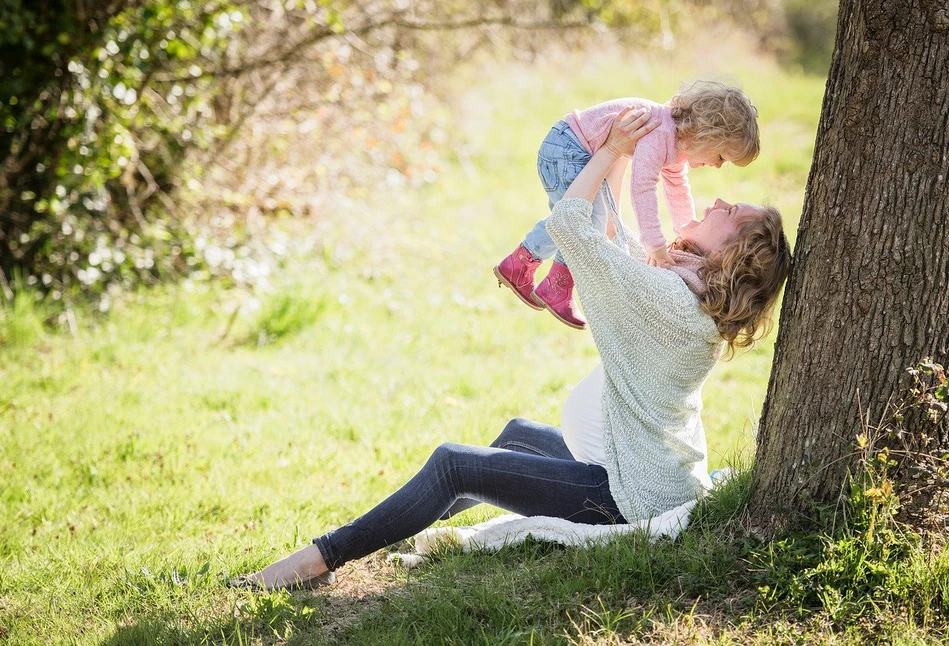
[[633, 445]]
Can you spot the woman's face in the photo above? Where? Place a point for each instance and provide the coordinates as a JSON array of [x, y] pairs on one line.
[[719, 225]]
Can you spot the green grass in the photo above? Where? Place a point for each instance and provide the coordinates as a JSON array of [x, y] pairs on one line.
[[195, 434]]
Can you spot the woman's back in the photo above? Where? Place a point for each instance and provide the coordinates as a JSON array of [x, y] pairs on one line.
[[658, 349]]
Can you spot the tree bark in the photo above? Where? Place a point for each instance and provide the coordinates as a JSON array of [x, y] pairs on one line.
[[867, 295]]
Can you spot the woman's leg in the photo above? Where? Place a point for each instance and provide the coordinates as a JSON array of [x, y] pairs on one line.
[[523, 436], [530, 483], [519, 436], [522, 483]]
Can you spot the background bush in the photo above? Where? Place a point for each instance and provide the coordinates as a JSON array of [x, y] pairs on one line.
[[101, 103]]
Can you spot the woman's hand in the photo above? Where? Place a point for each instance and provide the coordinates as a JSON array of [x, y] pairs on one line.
[[629, 126]]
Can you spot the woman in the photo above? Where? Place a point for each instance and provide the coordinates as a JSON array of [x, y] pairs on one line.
[[633, 445]]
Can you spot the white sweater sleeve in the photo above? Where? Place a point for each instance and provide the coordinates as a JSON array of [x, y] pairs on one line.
[[636, 249], [609, 281]]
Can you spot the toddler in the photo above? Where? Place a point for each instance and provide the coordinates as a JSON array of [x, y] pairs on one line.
[[705, 124]]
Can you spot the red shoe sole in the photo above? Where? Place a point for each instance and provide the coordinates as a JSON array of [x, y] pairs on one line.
[[545, 306], [504, 281]]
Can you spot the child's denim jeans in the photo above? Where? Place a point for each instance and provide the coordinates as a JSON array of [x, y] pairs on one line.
[[560, 159], [527, 470]]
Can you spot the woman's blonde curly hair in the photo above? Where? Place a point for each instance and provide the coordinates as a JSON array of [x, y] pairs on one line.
[[719, 118], [744, 278]]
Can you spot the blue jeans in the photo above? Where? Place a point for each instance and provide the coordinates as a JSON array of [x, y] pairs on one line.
[[560, 159], [527, 470]]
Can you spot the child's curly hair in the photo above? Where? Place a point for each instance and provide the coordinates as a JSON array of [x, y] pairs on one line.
[[744, 279], [717, 117]]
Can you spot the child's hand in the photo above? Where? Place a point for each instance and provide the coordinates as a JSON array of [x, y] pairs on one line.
[[629, 126], [660, 258]]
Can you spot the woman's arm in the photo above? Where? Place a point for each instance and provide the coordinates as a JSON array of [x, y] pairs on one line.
[[630, 126], [615, 180]]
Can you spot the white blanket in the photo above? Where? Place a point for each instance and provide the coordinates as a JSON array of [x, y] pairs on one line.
[[511, 529]]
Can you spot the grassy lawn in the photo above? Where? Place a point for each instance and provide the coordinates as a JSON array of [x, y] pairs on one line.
[[160, 451]]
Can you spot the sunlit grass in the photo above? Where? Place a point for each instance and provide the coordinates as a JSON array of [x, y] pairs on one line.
[[194, 435], [21, 322]]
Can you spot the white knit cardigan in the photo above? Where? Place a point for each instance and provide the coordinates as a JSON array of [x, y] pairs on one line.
[[657, 348]]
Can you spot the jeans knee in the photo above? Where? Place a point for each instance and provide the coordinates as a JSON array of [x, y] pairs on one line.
[[515, 425], [512, 430], [444, 453]]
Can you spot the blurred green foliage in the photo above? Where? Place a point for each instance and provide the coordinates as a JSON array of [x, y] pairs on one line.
[[98, 104], [284, 314], [799, 32], [144, 140], [810, 32], [21, 323]]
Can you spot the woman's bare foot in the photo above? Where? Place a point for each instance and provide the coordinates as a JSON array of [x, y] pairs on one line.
[[298, 568]]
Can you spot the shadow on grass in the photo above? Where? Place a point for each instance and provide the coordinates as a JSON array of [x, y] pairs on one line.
[[212, 613], [536, 591], [712, 584], [626, 591]]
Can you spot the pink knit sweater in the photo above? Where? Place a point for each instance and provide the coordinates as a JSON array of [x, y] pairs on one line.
[[656, 156]]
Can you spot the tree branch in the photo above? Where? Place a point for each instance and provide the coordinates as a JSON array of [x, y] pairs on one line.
[[395, 21]]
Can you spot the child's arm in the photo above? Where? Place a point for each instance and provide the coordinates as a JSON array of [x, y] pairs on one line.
[[675, 185], [647, 163], [659, 258]]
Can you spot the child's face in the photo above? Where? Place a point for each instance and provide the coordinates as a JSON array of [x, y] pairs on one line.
[[702, 157], [719, 225]]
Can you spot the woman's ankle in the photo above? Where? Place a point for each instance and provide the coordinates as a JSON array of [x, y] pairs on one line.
[[314, 562]]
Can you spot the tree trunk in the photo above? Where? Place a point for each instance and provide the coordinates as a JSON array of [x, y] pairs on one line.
[[867, 295]]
